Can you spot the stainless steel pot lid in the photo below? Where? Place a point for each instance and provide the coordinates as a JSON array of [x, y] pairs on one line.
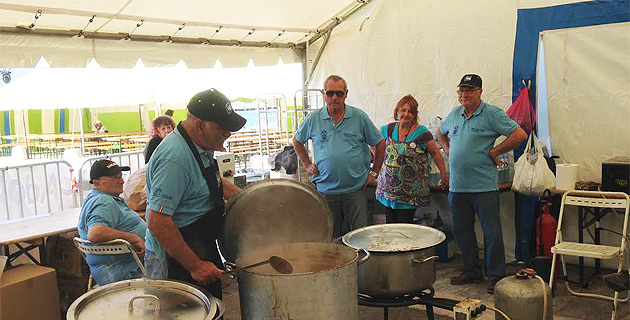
[[393, 237], [274, 211], [145, 299]]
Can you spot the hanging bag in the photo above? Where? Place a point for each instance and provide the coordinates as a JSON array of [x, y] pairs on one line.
[[522, 111], [531, 173]]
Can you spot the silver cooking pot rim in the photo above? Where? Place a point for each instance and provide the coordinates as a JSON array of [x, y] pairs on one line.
[[145, 299], [394, 237]]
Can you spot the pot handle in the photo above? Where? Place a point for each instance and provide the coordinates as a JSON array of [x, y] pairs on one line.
[[219, 305], [144, 296], [424, 260], [364, 259], [229, 266]]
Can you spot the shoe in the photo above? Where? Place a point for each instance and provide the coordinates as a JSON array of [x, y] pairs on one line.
[[491, 285], [619, 281], [466, 278]]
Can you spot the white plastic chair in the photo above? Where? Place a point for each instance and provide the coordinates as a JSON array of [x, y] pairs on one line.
[[593, 199], [116, 246]]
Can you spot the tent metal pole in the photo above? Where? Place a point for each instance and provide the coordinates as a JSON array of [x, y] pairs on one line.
[[81, 126], [339, 19], [319, 55]]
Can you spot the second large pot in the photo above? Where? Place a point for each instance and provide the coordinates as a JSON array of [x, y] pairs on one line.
[[402, 258], [323, 284]]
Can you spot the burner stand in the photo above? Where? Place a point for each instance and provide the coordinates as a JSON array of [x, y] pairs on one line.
[[424, 297]]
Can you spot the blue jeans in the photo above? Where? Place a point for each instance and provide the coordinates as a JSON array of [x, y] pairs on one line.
[[486, 205], [349, 211]]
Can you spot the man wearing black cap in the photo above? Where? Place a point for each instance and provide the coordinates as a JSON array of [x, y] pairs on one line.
[[105, 216], [468, 135], [186, 193]]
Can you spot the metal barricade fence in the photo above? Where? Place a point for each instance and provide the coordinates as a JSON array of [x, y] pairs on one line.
[[36, 189], [133, 159]]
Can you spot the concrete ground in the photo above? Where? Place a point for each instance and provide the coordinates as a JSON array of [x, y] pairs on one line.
[[565, 305]]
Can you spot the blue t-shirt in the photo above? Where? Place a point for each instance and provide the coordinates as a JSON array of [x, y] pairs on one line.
[[342, 154], [412, 136], [175, 185], [471, 168], [103, 209]]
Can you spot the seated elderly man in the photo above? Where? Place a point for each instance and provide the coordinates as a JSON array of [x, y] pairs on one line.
[[105, 216]]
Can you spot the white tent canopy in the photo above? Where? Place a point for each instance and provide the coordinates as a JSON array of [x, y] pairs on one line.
[[75, 88], [69, 33]]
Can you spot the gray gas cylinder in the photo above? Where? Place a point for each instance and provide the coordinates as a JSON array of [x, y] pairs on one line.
[[521, 297]]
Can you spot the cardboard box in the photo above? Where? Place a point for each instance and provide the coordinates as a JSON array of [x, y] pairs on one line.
[[64, 257], [29, 292]]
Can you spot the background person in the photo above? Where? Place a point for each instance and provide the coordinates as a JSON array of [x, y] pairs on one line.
[[104, 217], [160, 127], [100, 128], [186, 195], [468, 135], [403, 183], [341, 135]]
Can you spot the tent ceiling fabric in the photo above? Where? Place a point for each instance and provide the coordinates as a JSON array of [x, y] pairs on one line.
[[273, 27]]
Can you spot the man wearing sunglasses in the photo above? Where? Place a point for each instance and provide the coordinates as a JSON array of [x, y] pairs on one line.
[[468, 135], [341, 135]]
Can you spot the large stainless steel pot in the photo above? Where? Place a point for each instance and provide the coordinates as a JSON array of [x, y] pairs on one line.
[[402, 258], [291, 220], [145, 299], [323, 284]]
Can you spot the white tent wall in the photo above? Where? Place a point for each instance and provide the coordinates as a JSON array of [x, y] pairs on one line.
[[48, 121], [423, 48], [588, 95], [74, 120], [20, 122]]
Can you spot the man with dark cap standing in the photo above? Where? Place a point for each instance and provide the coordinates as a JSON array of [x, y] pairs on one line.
[[468, 135], [185, 195], [104, 217]]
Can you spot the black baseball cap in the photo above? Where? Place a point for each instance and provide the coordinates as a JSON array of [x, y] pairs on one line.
[[105, 167], [212, 105], [470, 80]]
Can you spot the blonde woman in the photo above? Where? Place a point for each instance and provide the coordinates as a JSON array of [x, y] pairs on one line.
[[403, 183]]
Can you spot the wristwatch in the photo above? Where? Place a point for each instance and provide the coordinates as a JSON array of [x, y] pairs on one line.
[[373, 174]]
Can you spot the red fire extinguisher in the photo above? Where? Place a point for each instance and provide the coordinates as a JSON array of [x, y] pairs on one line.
[[546, 226]]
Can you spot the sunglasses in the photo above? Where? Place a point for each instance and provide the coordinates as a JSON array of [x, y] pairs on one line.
[[338, 93]]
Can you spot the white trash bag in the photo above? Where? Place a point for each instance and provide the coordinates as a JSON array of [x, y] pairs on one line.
[[531, 173]]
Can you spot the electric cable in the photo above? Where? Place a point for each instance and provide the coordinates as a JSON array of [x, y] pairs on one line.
[[544, 287], [499, 312]]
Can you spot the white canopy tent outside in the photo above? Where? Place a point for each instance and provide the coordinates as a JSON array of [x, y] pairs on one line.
[[73, 89], [70, 33], [385, 49]]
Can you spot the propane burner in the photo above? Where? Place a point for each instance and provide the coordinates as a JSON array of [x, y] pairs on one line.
[[424, 297]]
